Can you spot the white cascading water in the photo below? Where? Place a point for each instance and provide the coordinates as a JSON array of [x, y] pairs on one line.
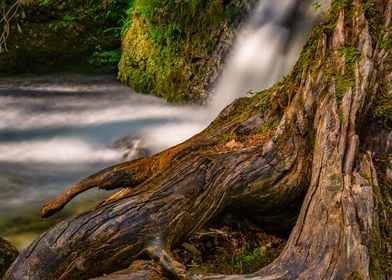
[[56, 130], [266, 49]]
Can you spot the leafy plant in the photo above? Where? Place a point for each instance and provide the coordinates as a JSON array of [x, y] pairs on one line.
[[248, 260], [351, 54], [69, 17], [318, 8], [44, 3], [102, 58]]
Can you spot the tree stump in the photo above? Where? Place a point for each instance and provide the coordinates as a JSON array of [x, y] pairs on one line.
[[320, 139]]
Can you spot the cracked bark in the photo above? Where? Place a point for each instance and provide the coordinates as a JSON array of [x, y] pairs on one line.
[[319, 155]]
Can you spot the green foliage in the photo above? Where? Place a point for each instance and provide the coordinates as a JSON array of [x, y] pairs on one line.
[[270, 124], [343, 83], [156, 36], [317, 6], [263, 98], [43, 3], [102, 58], [308, 54], [226, 137], [351, 54], [68, 17], [370, 9], [126, 20], [248, 260]]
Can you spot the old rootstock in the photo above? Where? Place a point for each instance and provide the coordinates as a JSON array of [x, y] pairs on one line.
[[320, 138]]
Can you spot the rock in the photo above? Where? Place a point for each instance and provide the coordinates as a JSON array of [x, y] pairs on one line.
[[8, 254], [130, 147], [188, 67]]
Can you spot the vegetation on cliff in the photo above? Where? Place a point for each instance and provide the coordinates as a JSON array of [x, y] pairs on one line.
[[173, 49], [62, 35], [170, 48]]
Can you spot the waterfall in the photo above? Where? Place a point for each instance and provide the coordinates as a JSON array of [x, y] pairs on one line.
[[266, 48]]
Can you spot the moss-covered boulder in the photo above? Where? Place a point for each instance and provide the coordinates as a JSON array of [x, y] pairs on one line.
[[59, 35], [8, 254], [174, 48]]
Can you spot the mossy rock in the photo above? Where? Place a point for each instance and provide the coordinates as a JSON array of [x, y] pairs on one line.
[[8, 254], [173, 49], [64, 35]]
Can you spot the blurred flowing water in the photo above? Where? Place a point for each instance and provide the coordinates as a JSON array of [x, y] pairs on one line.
[[54, 130], [266, 48]]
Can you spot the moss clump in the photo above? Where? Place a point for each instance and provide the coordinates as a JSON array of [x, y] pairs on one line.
[[65, 35], [248, 260], [371, 10], [168, 45]]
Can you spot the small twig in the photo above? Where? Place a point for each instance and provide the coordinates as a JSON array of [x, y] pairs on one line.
[[7, 15]]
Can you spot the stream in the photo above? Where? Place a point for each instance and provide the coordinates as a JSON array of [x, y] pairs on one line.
[[55, 130]]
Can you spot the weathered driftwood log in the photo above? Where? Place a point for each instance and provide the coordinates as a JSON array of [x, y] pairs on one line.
[[303, 142]]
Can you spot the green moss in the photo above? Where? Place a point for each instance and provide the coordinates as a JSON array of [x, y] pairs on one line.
[[168, 45], [43, 3], [271, 123], [262, 99], [102, 58], [381, 108], [238, 111], [226, 137], [308, 54], [68, 17], [249, 260], [371, 13], [343, 83], [351, 54], [311, 52]]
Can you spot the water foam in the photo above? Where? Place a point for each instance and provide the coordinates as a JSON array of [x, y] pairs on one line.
[[265, 50]]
